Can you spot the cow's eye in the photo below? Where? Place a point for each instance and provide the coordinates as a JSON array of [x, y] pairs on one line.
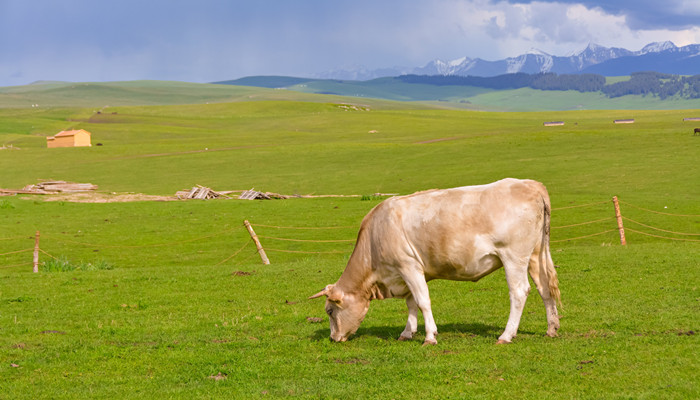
[[329, 311]]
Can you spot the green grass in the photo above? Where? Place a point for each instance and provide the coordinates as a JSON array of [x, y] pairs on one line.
[[176, 311], [534, 100], [167, 319], [63, 264]]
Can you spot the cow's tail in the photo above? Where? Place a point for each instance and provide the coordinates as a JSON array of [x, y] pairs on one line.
[[547, 270]]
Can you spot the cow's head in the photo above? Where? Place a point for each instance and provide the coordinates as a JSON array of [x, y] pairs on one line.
[[345, 311]]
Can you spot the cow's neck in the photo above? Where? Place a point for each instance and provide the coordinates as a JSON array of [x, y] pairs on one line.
[[358, 277]]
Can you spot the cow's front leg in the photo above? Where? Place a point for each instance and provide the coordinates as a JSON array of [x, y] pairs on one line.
[[412, 324], [416, 283]]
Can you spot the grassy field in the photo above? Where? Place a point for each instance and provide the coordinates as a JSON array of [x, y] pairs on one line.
[[169, 299]]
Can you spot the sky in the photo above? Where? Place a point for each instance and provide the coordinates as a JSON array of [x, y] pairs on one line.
[[215, 40]]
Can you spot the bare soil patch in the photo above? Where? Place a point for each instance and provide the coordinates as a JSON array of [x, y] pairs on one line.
[[106, 197], [438, 140]]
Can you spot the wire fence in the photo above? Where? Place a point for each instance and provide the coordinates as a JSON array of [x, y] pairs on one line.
[[298, 242], [606, 226], [96, 246], [305, 241], [609, 226]]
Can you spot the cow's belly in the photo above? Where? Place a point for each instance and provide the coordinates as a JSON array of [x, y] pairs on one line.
[[470, 270]]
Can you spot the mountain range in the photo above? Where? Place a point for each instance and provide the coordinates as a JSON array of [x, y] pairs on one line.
[[663, 57]]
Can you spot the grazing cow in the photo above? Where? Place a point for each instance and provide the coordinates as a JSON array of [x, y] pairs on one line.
[[696, 131], [459, 234]]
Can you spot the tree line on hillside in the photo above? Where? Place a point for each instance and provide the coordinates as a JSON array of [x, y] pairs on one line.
[[640, 83], [662, 85]]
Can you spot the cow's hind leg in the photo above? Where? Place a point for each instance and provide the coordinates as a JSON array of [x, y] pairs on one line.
[[539, 277], [412, 324], [518, 289]]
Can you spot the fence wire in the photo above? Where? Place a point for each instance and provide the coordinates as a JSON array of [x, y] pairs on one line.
[[304, 227], [108, 246], [659, 229], [661, 237], [15, 252], [659, 212], [308, 240]]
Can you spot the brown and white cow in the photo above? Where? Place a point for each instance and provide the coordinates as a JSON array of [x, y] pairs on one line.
[[460, 234]]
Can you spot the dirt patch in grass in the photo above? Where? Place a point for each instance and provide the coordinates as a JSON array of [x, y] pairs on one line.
[[218, 377], [351, 361], [105, 197], [438, 140]]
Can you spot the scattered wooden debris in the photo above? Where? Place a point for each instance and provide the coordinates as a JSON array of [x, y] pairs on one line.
[[52, 187], [200, 192], [253, 194], [62, 187]]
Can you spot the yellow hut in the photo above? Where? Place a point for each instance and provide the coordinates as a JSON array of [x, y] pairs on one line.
[[74, 138]]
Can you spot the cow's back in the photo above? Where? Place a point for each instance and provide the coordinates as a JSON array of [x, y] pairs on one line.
[[457, 233]]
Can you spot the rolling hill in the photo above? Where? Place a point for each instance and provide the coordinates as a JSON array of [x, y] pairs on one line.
[[377, 93], [516, 98]]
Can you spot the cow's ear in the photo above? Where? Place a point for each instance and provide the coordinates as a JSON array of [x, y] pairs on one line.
[[323, 292], [335, 295]]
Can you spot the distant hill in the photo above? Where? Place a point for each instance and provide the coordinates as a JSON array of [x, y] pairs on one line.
[[271, 82], [156, 93], [663, 57], [505, 92], [513, 92]]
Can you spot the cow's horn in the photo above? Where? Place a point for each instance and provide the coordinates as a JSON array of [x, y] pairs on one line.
[[323, 292]]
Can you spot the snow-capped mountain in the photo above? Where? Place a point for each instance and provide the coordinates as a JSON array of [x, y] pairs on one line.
[[662, 57], [657, 47]]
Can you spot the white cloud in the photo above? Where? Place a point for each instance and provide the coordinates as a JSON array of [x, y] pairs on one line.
[[501, 29]]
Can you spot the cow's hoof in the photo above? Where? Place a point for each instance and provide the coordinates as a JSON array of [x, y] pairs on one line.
[[501, 341], [404, 338], [429, 342]]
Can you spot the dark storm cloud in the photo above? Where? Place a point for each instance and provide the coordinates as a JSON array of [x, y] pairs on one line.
[[643, 14]]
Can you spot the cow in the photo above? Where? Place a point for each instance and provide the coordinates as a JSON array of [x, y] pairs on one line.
[[696, 131], [462, 234]]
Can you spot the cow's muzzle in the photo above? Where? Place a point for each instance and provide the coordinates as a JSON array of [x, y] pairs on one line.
[[339, 339]]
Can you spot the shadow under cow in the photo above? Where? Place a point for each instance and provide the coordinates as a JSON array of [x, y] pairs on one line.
[[392, 333]]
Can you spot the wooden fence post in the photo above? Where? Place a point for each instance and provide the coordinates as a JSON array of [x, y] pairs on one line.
[[618, 216], [36, 252], [261, 251]]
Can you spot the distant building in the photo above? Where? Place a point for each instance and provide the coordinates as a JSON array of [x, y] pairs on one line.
[[74, 138], [624, 121], [554, 123]]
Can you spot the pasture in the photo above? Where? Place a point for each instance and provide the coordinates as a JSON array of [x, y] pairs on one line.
[[181, 307]]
